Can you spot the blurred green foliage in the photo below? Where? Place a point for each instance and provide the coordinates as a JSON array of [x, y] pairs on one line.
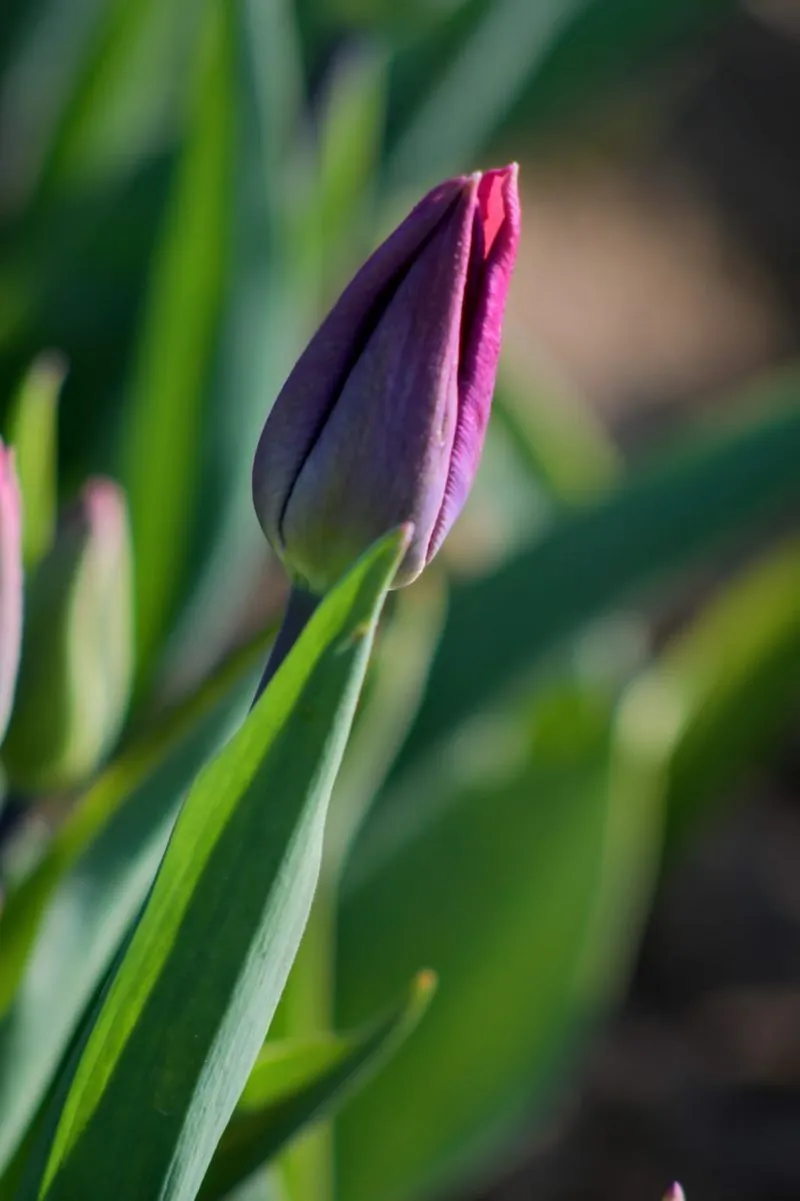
[[184, 186]]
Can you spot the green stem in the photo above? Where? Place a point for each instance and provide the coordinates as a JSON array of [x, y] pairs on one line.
[[299, 609]]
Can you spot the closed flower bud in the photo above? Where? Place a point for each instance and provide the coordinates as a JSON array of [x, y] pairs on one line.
[[674, 1193], [75, 675], [10, 583], [382, 419]]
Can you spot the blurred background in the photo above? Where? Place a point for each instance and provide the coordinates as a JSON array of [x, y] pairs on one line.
[[612, 848]]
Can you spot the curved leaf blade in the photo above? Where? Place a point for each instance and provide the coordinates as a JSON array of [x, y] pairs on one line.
[[295, 1082]]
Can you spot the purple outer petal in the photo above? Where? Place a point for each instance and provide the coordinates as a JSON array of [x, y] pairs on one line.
[[306, 399], [480, 346], [384, 454], [10, 583]]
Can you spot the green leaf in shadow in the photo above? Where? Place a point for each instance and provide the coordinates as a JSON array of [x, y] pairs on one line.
[[508, 867], [719, 693], [457, 85], [660, 518]]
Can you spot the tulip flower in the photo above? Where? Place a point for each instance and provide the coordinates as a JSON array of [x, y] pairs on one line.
[[75, 674], [10, 583], [382, 420]]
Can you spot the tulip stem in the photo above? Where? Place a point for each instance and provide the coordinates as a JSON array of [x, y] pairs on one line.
[[299, 609]]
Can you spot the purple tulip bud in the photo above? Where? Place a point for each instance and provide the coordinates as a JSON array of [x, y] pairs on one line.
[[10, 583], [382, 420]]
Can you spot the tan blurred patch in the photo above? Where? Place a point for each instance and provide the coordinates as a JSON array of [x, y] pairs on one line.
[[783, 14], [633, 291]]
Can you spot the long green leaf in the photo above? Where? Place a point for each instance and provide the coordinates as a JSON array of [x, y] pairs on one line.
[[267, 309], [660, 518], [184, 1018], [66, 921], [33, 432], [271, 296], [162, 438], [350, 141], [296, 1082]]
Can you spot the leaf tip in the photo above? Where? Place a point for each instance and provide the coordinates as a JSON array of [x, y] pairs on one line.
[[51, 367]]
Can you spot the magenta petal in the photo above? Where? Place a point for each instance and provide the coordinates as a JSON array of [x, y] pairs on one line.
[[10, 583], [500, 215]]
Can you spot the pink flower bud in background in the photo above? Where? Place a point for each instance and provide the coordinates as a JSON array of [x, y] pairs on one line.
[[77, 653], [10, 583], [382, 420], [674, 1193]]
